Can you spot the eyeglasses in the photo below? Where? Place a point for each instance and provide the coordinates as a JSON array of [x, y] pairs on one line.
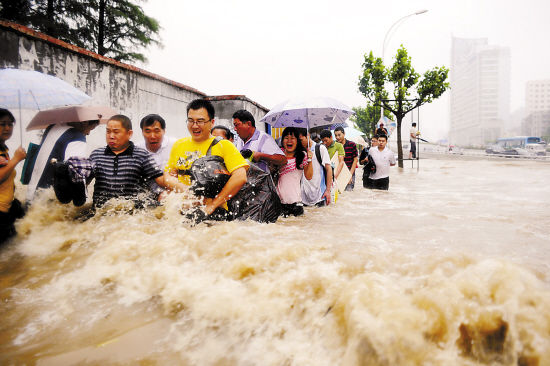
[[198, 122]]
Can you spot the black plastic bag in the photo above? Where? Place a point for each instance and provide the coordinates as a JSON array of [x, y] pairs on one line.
[[258, 199]]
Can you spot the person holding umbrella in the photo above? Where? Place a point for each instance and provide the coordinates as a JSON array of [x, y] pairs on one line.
[[10, 207]]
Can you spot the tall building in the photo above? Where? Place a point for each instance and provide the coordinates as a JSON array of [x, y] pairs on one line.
[[537, 103], [480, 91]]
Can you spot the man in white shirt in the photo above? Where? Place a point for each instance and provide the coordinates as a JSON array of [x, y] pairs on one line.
[[316, 191], [153, 128], [383, 158]]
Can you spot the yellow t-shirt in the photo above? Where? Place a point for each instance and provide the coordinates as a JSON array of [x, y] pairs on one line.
[[185, 151], [7, 188]]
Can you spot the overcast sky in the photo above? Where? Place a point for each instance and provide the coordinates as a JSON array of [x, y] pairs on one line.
[[272, 50]]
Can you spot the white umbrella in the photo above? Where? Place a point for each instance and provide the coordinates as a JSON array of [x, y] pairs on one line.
[[26, 89], [358, 140], [75, 113], [308, 113]]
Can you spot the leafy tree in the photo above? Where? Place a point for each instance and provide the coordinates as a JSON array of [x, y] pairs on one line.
[[365, 119], [15, 10], [405, 83], [112, 28]]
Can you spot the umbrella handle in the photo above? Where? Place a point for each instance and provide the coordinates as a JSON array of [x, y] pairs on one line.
[[20, 120]]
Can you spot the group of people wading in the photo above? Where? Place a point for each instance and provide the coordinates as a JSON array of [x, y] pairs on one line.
[[210, 168]]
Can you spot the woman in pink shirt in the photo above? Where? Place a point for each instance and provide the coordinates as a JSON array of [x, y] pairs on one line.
[[290, 175]]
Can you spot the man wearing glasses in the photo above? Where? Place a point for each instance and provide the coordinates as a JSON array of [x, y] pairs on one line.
[[200, 119]]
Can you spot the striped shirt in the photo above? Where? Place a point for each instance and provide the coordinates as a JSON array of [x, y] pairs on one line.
[[351, 153], [124, 175]]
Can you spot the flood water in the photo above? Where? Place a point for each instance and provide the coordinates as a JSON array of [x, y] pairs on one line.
[[449, 267]]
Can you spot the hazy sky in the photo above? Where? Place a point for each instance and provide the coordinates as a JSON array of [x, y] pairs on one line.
[[272, 50]]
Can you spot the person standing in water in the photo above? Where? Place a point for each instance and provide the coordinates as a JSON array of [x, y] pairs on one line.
[[200, 119], [10, 207], [153, 129], [290, 175], [364, 160], [383, 158], [121, 169]]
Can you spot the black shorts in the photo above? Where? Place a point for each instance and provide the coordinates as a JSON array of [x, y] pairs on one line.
[[382, 183], [7, 219], [293, 209]]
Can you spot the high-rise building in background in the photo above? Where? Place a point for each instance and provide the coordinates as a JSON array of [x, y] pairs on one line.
[[480, 91], [537, 103]]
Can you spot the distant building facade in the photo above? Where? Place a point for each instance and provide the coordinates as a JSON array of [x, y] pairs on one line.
[[537, 103], [480, 91]]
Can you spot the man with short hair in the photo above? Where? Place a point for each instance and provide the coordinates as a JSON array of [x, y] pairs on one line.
[[153, 129], [265, 151], [200, 119], [412, 138], [223, 132], [381, 130], [316, 191], [350, 157], [333, 147], [383, 158], [121, 169]]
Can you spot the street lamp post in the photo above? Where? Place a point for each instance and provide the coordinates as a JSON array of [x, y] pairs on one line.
[[386, 38]]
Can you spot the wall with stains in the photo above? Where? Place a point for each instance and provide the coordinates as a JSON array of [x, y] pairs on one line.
[[128, 89]]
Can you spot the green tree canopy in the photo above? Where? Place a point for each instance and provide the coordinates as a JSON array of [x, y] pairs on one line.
[[409, 90], [365, 119], [114, 28]]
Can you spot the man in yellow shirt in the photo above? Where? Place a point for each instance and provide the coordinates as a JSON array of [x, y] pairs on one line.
[[200, 119]]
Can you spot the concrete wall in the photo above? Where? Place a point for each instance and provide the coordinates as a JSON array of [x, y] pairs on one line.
[[129, 90]]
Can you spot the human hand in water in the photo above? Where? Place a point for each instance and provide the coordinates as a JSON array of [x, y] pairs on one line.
[[326, 196]]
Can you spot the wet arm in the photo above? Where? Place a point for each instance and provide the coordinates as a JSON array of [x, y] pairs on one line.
[[5, 171], [275, 159], [308, 169], [326, 195], [353, 166], [233, 185], [339, 167], [171, 182]]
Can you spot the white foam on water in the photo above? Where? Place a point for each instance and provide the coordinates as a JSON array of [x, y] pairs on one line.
[[448, 267]]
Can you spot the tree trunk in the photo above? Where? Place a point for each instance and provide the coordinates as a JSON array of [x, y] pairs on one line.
[[399, 142], [101, 30], [50, 27]]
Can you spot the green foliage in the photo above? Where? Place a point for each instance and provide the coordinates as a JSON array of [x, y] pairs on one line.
[[112, 28], [409, 90], [365, 119]]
